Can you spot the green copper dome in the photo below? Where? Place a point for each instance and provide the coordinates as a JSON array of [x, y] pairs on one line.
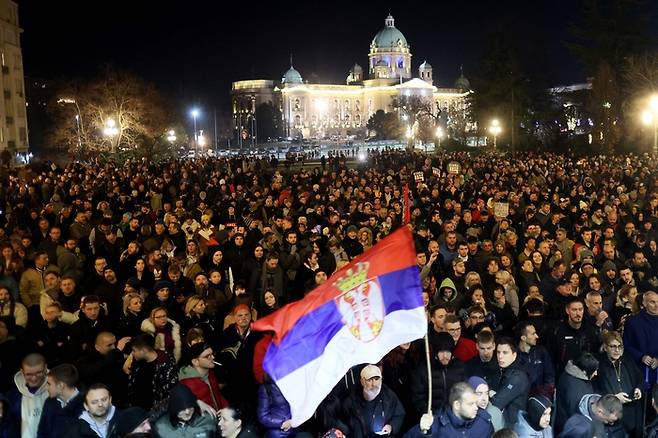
[[389, 36], [292, 76]]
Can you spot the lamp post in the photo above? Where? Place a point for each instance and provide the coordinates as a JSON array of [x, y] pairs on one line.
[[111, 130], [439, 136], [650, 118], [195, 113], [495, 130]]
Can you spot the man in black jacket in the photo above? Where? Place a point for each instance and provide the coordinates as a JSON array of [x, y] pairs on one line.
[[510, 393], [98, 418], [375, 410], [446, 371], [64, 404], [484, 364]]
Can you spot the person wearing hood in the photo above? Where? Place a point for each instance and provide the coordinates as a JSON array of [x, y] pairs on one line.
[[481, 388], [184, 419], [446, 371], [447, 294], [573, 384], [596, 417], [132, 423], [30, 392], [535, 422], [510, 393], [64, 404], [199, 376], [99, 417]]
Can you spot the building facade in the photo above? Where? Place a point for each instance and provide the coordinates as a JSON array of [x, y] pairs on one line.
[[13, 114], [321, 110]]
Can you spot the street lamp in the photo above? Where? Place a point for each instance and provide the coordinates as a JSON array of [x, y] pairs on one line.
[[650, 118], [439, 135], [195, 113], [111, 130], [495, 130]]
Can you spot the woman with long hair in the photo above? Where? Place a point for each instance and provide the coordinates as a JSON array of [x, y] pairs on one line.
[[11, 311], [196, 317], [133, 315]]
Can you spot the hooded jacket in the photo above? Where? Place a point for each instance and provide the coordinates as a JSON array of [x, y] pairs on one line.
[[199, 426], [25, 406], [582, 424], [454, 301], [524, 430], [572, 385], [205, 389]]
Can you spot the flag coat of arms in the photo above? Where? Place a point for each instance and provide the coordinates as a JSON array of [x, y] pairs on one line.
[[362, 312]]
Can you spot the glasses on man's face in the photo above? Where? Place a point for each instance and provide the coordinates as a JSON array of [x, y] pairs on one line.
[[615, 346], [35, 374]]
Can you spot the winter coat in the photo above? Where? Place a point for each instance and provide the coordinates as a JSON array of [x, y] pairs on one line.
[[9, 426], [442, 380], [524, 430], [57, 420], [572, 385], [200, 426], [630, 377], [489, 371], [26, 407], [206, 389], [640, 334], [584, 425], [386, 408], [567, 343], [511, 392], [540, 369], [164, 377], [32, 284], [174, 330], [273, 410], [19, 315], [86, 428], [447, 425]]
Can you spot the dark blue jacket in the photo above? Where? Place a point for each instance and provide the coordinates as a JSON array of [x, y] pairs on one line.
[[8, 424], [273, 410], [640, 334], [511, 392], [57, 420], [541, 373], [385, 409], [447, 425]]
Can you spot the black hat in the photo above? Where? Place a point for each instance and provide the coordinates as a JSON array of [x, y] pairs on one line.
[[442, 341], [129, 419], [161, 285]]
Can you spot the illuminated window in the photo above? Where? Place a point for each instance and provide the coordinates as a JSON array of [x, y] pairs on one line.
[[357, 105], [298, 105]]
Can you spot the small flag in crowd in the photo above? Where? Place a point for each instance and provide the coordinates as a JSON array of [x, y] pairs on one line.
[[362, 312]]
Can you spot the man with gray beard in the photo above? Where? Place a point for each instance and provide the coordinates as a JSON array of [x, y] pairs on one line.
[[372, 409]]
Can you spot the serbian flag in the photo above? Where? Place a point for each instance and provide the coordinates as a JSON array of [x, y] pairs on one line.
[[362, 312]]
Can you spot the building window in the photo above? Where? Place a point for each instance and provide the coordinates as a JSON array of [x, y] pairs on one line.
[[357, 120], [347, 104], [9, 120], [298, 105], [357, 106]]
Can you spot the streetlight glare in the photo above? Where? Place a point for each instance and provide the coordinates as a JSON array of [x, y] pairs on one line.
[[111, 123], [321, 105], [653, 102], [647, 117], [202, 140], [439, 132], [195, 113]]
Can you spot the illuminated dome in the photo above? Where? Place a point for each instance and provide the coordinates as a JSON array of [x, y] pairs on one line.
[[389, 36], [292, 76]]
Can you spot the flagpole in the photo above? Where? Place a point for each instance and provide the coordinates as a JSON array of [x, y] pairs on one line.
[[429, 377]]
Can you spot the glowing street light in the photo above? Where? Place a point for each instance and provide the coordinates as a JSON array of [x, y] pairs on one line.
[[495, 130], [439, 135], [171, 136], [110, 129], [650, 118]]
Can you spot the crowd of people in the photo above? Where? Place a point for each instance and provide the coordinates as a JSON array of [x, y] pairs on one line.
[[127, 295]]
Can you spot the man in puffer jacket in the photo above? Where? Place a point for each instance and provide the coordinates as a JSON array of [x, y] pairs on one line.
[[274, 411], [183, 419], [375, 409]]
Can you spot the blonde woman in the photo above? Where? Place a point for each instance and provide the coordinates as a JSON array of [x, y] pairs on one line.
[[133, 315], [166, 332], [196, 316], [472, 278], [505, 279]]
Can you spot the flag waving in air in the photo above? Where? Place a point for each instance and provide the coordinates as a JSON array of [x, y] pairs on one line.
[[362, 312]]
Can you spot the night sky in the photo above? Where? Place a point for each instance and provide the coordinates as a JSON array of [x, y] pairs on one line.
[[193, 50]]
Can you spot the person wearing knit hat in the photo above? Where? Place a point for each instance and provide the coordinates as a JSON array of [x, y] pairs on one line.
[[536, 421], [132, 421], [184, 418], [481, 388], [446, 371]]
